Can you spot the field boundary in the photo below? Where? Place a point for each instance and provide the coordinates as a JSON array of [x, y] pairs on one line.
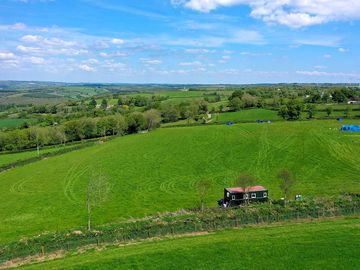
[[60, 254], [182, 222]]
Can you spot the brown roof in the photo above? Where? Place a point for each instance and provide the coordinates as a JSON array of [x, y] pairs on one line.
[[248, 189]]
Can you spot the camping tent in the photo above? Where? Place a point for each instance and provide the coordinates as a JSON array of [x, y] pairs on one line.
[[350, 128]]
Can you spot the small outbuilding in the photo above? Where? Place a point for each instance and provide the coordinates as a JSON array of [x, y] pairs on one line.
[[350, 128], [235, 196]]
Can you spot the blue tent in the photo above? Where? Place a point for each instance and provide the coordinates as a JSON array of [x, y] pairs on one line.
[[350, 128], [260, 121], [229, 123], [339, 119]]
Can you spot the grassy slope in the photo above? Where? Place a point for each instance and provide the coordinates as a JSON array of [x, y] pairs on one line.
[[13, 157], [157, 172], [316, 245]]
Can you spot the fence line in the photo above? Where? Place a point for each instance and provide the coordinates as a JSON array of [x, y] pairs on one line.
[[140, 230]]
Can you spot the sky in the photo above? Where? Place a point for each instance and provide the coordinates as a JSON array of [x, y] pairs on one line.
[[180, 41]]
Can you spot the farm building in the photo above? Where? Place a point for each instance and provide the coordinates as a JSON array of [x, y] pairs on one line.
[[350, 128], [236, 195]]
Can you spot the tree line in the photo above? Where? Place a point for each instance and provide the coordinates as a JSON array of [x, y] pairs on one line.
[[79, 129]]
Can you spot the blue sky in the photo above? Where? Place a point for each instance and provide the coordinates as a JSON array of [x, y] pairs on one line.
[[180, 41]]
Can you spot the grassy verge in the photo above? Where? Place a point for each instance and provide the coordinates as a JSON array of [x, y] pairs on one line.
[[325, 244], [179, 223]]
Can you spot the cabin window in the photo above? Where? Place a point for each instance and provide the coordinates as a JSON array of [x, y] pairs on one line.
[[265, 194], [227, 194], [253, 195], [233, 197], [246, 196]]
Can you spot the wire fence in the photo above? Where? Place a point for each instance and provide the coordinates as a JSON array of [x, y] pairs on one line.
[[212, 219]]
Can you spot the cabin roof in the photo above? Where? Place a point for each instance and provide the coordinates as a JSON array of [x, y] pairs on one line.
[[249, 189]]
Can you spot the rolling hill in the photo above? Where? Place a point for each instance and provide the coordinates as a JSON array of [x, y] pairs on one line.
[[157, 172]]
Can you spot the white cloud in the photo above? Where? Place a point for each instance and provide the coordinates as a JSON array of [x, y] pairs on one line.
[[326, 41], [199, 51], [92, 61], [16, 26], [342, 50], [151, 61], [87, 68], [35, 60], [6, 55], [26, 49], [117, 41], [327, 74], [293, 13], [194, 63], [31, 38], [327, 56]]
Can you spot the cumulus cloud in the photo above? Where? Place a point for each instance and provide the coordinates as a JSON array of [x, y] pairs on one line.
[[26, 49], [293, 13], [117, 41], [86, 68], [6, 55]]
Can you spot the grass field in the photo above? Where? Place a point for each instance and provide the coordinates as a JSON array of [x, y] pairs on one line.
[[10, 123], [329, 244], [7, 158], [249, 115], [158, 171]]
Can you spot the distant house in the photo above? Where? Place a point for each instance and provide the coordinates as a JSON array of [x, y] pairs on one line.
[[350, 128], [351, 102], [235, 196]]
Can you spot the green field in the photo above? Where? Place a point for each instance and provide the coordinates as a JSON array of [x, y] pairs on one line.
[[11, 123], [249, 115], [8, 158], [329, 244], [157, 172]]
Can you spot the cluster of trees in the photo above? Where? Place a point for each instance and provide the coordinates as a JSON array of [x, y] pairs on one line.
[[185, 110], [141, 101], [80, 129], [337, 95], [212, 97], [242, 100]]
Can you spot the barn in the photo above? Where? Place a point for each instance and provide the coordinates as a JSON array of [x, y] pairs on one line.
[[236, 195], [350, 128]]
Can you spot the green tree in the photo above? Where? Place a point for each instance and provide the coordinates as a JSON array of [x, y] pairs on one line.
[[348, 112], [310, 109], [136, 122], [39, 136], [92, 103], [248, 101], [104, 104], [283, 111], [235, 104], [287, 182], [153, 119], [97, 192], [203, 188], [245, 181], [329, 110]]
